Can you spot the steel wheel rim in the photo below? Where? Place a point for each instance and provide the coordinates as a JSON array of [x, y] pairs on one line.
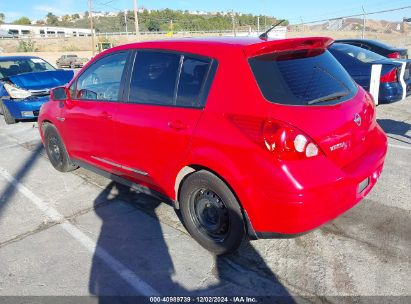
[[54, 150], [210, 214]]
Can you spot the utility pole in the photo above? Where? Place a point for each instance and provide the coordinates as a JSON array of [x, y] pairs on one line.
[[258, 25], [233, 19], [363, 23], [125, 20], [90, 15], [302, 24], [136, 20]]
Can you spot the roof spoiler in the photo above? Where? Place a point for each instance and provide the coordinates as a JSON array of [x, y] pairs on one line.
[[282, 45]]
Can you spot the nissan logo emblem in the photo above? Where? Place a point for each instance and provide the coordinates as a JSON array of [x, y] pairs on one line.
[[357, 119]]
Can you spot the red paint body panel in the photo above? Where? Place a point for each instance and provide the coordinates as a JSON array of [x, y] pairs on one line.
[[282, 196]]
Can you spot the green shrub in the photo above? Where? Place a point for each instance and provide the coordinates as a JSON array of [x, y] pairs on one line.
[[27, 46]]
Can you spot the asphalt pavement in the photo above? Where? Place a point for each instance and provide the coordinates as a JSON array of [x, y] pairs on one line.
[[79, 234]]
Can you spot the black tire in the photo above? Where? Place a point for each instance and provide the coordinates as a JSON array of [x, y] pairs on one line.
[[56, 151], [8, 118], [211, 213]]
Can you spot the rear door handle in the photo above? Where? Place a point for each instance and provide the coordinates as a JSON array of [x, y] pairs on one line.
[[105, 115], [177, 125]]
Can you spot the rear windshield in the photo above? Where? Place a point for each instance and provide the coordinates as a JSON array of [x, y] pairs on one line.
[[304, 77], [361, 54]]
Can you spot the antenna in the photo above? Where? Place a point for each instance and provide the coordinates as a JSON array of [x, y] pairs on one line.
[[264, 36]]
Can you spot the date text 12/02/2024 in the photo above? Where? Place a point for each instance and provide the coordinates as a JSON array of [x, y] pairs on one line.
[[201, 299]]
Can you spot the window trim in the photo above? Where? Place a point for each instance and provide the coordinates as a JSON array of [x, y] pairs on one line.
[[205, 86], [122, 80]]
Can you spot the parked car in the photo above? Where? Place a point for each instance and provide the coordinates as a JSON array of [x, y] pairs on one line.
[[25, 83], [71, 61], [377, 47], [245, 136], [394, 83]]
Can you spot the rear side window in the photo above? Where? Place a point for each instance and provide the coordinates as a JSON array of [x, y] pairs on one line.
[[192, 76], [169, 79], [154, 78], [304, 77]]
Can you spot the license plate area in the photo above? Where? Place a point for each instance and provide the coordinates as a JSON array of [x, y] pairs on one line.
[[363, 185]]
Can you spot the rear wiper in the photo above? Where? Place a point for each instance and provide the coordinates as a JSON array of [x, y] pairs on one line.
[[332, 96]]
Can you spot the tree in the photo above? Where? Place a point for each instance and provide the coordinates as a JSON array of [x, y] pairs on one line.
[[22, 21], [75, 16], [66, 19], [51, 19], [153, 25], [2, 18]]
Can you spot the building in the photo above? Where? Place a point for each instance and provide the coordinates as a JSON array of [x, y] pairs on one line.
[[38, 31]]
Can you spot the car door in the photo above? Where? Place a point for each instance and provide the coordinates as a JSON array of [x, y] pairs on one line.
[[166, 96], [88, 116]]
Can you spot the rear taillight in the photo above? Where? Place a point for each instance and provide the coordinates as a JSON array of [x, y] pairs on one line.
[[391, 76], [395, 55], [280, 138]]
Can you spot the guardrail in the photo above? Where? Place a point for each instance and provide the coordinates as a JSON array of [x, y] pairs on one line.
[[143, 33]]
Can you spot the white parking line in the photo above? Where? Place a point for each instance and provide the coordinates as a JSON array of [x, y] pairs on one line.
[[399, 147], [130, 277]]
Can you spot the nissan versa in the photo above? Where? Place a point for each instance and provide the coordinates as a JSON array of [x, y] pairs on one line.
[[246, 136]]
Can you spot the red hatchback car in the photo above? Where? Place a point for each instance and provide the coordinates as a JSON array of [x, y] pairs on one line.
[[245, 136]]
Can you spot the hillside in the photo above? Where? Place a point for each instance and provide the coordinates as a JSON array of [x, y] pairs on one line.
[[167, 19], [371, 25]]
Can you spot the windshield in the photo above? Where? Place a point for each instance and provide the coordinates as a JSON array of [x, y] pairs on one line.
[[361, 54], [10, 67], [304, 77]]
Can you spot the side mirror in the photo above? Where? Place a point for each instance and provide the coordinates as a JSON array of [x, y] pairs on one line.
[[59, 94]]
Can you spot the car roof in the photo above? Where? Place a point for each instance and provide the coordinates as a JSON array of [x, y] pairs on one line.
[[219, 46], [368, 41], [10, 58]]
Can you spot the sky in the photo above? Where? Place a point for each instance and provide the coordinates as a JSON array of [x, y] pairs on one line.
[[296, 11]]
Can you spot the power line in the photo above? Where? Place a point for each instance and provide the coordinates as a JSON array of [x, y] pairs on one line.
[[360, 15]]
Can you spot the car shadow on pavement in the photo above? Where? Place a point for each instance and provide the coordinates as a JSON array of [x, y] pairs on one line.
[[132, 234], [395, 127], [7, 194]]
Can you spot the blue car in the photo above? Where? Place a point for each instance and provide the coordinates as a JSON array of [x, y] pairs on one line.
[[391, 81], [25, 83]]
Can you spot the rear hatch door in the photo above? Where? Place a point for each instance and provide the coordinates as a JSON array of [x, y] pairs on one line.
[[313, 92]]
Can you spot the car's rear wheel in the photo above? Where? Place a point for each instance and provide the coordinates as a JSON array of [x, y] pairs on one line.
[[8, 118], [211, 212], [55, 149]]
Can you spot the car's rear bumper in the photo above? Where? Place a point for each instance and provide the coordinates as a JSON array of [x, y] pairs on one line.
[[25, 109], [278, 213], [393, 91]]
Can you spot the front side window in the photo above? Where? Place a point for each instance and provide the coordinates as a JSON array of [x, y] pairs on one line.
[[169, 79], [101, 81]]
